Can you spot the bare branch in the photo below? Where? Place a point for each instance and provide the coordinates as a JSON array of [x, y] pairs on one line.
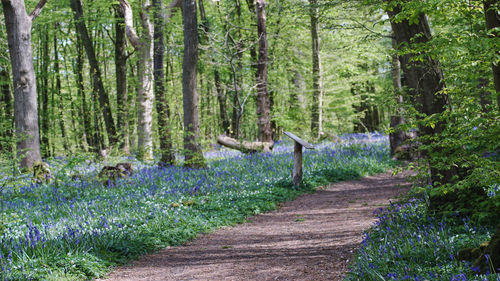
[[129, 24], [38, 9]]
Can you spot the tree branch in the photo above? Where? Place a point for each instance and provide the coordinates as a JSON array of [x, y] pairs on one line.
[[129, 24], [38, 9], [171, 9]]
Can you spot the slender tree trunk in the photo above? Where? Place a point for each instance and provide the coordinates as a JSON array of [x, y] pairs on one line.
[[317, 97], [492, 16], [192, 149], [76, 6], [86, 113], [121, 81], [263, 103], [221, 97], [44, 94], [58, 92], [424, 79], [167, 153], [6, 110], [18, 24], [145, 94]]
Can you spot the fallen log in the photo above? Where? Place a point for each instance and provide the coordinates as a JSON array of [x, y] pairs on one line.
[[245, 146]]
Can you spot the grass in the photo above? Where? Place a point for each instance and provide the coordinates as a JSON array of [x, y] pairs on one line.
[[76, 229]]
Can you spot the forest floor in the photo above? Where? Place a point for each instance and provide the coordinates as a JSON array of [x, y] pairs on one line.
[[311, 238]]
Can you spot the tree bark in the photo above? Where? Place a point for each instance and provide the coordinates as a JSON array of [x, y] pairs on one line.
[[245, 146], [492, 15], [18, 24], [221, 97], [76, 6], [167, 153], [317, 97], [44, 93], [263, 102], [90, 136], [59, 94], [145, 95], [6, 110], [121, 81], [193, 155], [424, 79]]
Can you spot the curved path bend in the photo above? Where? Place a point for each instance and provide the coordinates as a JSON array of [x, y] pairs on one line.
[[311, 238]]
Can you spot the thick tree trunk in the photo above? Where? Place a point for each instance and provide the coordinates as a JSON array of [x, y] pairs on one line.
[[245, 146], [121, 81], [192, 149], [18, 24], [492, 15], [263, 102], [424, 79], [145, 94], [317, 97], [76, 6], [167, 153]]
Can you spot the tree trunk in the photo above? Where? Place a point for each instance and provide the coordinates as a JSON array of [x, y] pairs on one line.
[[317, 97], [192, 149], [58, 92], [6, 110], [76, 6], [18, 24], [145, 94], [121, 81], [492, 16], [167, 153], [397, 136], [245, 146], [221, 97], [424, 79], [263, 103], [44, 93], [85, 111]]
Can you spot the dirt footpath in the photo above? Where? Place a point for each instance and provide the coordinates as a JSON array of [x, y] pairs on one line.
[[311, 238]]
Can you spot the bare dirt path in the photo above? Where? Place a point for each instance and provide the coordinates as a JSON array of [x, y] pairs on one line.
[[311, 238]]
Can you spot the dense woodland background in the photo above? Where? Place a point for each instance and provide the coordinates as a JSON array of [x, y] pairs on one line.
[[355, 76]]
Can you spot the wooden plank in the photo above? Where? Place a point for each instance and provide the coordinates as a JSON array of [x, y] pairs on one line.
[[299, 140]]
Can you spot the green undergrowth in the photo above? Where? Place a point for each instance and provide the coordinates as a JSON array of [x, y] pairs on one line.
[[411, 242], [78, 230]]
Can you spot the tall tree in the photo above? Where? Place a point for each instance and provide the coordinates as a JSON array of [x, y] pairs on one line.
[[145, 94], [5, 109], [58, 91], [18, 24], [423, 77], [167, 153], [44, 92], [317, 96], [97, 82], [121, 80], [492, 16], [193, 154], [263, 102]]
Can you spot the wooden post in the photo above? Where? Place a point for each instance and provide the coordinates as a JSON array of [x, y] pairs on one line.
[[297, 164], [297, 157]]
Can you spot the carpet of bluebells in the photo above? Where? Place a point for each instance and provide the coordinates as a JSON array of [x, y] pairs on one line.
[[408, 244], [76, 227]]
